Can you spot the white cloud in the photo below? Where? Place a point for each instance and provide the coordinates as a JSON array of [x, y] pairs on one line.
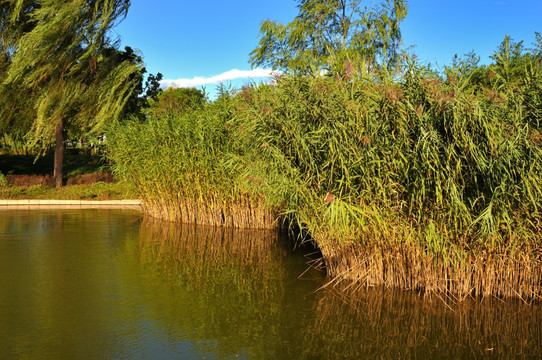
[[226, 76]]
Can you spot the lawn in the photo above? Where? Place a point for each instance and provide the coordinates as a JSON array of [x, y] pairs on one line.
[[85, 177]]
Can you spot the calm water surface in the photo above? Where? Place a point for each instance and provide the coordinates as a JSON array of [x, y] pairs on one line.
[[109, 284]]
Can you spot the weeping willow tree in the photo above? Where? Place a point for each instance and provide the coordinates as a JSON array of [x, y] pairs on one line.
[[327, 34], [16, 110], [78, 78]]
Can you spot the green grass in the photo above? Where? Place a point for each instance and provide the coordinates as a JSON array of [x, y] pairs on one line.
[[97, 191], [76, 166]]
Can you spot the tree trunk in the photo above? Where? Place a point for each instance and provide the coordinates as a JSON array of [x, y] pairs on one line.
[[59, 153]]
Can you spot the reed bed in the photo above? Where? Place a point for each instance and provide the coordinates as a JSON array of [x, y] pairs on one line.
[[176, 164], [408, 179], [459, 274], [405, 178], [242, 212]]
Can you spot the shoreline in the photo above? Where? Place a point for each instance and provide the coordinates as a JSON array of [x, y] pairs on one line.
[[405, 267], [9, 204]]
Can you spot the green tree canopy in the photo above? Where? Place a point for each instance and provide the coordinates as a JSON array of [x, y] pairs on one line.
[[178, 100], [327, 33], [16, 108], [144, 91], [79, 78]]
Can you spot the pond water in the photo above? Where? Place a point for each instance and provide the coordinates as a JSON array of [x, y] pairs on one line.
[[111, 284]]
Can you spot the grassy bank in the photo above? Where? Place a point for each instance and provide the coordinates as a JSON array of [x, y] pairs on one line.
[[95, 191], [410, 179], [87, 178]]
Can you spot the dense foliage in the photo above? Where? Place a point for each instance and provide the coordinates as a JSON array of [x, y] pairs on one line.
[[61, 73], [177, 161], [326, 34], [175, 100], [408, 178]]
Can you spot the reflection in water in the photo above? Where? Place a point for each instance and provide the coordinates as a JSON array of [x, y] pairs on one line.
[[199, 255], [238, 288], [402, 324], [102, 284]]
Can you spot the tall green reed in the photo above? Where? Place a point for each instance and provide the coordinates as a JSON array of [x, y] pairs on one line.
[[176, 163], [406, 178], [447, 165]]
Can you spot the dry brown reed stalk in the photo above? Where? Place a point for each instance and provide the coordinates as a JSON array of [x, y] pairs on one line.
[[463, 273], [244, 213]]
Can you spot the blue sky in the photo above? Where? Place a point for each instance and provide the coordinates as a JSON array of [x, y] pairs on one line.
[[196, 42]]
